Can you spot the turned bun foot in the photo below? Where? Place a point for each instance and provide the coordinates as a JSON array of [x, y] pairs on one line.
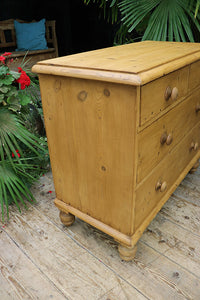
[[127, 253], [67, 218], [195, 167]]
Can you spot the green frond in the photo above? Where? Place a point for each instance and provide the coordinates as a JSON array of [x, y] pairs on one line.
[[13, 135], [11, 188], [168, 19]]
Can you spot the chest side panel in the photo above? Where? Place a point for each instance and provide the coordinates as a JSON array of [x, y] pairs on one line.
[[91, 131]]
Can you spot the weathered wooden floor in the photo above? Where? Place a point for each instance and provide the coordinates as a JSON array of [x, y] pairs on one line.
[[42, 259]]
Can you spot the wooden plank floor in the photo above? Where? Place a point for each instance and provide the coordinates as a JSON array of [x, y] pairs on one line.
[[42, 259]]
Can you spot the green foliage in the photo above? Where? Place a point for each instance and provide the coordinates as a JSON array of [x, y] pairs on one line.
[[10, 93], [23, 150], [12, 185], [109, 8], [172, 20], [167, 19]]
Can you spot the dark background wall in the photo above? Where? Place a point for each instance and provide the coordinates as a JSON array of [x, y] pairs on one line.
[[79, 28]]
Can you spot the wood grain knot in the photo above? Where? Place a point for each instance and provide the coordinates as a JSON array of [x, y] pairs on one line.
[[57, 85], [106, 92], [82, 96]]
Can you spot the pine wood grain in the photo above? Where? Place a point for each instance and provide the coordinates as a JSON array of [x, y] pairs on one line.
[[109, 168], [175, 243], [146, 194], [136, 63], [75, 272], [152, 94], [20, 278], [91, 172], [177, 123], [129, 58], [142, 273], [194, 75]]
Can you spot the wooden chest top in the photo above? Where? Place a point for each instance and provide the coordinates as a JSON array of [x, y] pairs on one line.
[[136, 63]]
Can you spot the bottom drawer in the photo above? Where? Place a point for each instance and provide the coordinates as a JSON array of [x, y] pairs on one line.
[[159, 181]]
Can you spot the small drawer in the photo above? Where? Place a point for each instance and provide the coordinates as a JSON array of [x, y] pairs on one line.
[[164, 176], [159, 94], [155, 141], [194, 75]]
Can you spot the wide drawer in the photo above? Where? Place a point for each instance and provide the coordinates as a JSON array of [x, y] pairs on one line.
[[159, 94], [194, 75], [163, 177], [155, 141]]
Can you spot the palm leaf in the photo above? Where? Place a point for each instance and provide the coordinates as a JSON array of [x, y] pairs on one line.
[[12, 134], [169, 19], [11, 187]]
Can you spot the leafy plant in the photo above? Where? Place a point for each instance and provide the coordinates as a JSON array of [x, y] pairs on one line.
[[172, 20], [10, 93], [23, 152], [167, 19]]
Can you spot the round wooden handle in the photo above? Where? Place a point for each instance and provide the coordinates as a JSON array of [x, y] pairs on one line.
[[169, 139], [168, 93], [194, 146], [166, 138], [162, 186], [174, 94], [197, 108], [163, 138]]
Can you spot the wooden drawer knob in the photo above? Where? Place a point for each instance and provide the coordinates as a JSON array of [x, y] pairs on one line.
[[194, 146], [161, 186], [168, 93], [166, 138], [163, 138], [174, 94], [197, 108], [169, 139]]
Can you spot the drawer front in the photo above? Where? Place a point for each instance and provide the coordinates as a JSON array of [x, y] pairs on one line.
[[155, 141], [159, 94], [194, 75], [165, 175]]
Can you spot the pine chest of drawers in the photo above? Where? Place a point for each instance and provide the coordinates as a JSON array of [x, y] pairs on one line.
[[123, 128]]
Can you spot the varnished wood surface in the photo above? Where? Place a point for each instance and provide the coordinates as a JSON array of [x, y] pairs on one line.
[[153, 94], [177, 123], [136, 63], [93, 159], [107, 164], [130, 58], [169, 169], [42, 259]]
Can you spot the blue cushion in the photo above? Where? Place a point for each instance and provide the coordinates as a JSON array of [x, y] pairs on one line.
[[30, 36]]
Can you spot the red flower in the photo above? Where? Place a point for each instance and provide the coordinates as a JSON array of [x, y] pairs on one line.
[[17, 151], [24, 80], [2, 58], [7, 54]]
